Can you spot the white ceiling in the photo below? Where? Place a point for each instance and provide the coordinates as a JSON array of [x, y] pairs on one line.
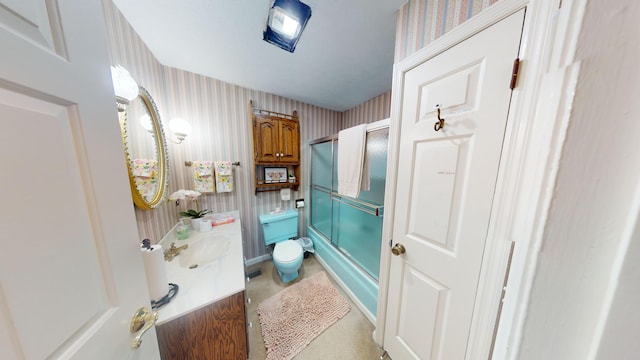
[[344, 57]]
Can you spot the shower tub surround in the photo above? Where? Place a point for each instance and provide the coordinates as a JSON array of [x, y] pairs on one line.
[[211, 298], [347, 232]]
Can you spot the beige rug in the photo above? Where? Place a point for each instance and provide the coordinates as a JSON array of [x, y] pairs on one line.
[[292, 318]]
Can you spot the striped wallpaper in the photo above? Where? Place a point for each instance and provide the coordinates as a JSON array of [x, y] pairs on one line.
[[219, 114], [422, 21], [370, 111]]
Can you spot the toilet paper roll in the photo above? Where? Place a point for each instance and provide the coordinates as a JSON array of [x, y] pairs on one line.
[[204, 225], [156, 272], [285, 194]]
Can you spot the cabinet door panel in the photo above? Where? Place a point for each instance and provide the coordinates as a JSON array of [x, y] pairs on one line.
[[266, 140], [289, 141], [215, 332]]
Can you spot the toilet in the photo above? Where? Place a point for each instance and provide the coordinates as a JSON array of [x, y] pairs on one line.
[[279, 228]]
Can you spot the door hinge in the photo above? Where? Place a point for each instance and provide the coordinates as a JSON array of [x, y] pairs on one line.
[[514, 73]]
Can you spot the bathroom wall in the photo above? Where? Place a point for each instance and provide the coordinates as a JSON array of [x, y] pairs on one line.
[[422, 21], [219, 114], [128, 50], [372, 110], [583, 302], [584, 299]]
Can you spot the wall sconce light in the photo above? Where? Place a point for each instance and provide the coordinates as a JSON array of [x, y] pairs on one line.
[[145, 122], [287, 19], [180, 129], [124, 86]]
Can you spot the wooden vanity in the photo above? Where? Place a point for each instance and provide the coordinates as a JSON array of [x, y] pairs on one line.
[[207, 318], [217, 331]]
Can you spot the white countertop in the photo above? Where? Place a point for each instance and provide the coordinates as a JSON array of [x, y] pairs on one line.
[[211, 280]]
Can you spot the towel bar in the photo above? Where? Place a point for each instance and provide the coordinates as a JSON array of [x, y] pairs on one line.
[[365, 207], [189, 163]]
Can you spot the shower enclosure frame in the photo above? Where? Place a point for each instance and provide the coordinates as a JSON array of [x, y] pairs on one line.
[[361, 286]]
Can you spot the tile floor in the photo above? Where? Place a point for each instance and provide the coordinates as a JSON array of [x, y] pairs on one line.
[[350, 338]]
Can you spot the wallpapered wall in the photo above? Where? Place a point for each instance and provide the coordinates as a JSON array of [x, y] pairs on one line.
[[422, 21], [219, 114], [370, 111]]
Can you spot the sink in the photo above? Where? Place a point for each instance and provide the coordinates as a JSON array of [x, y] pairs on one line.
[[205, 250]]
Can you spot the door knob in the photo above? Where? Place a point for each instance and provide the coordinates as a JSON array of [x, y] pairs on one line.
[[398, 249], [142, 321]]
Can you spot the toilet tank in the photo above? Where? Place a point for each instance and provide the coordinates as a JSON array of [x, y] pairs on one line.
[[279, 227]]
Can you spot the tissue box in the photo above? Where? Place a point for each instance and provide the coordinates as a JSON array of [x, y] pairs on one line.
[[222, 218]]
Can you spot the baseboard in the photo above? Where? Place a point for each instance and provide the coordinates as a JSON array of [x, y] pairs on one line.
[[257, 260]]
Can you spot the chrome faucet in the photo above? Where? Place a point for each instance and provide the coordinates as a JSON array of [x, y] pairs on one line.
[[174, 251]]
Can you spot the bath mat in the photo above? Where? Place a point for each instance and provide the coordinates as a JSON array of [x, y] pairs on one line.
[[292, 318]]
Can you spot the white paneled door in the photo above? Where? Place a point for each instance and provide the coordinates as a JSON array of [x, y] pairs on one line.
[[71, 273], [445, 189]]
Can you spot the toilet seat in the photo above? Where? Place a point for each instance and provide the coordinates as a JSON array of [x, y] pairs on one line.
[[287, 251]]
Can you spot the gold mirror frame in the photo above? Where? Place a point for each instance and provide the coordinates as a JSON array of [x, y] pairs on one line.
[[160, 149]]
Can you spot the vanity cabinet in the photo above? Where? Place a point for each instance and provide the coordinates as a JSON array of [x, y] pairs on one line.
[[276, 144], [216, 331]]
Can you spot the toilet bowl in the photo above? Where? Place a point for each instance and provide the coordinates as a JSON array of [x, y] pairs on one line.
[[287, 258], [279, 229]]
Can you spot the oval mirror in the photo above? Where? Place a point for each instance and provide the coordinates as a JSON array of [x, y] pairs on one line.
[[145, 149]]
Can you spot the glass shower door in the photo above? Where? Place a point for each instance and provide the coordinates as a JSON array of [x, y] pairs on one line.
[[357, 223], [321, 173], [353, 226], [357, 232]]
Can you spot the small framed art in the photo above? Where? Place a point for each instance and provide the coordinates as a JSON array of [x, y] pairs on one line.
[[275, 175]]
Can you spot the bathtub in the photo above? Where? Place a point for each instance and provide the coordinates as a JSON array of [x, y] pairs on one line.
[[360, 287]]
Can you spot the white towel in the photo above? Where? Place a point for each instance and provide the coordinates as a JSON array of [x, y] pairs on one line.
[[365, 181], [351, 148]]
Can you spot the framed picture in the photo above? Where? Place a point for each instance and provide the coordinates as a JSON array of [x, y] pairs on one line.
[[275, 175]]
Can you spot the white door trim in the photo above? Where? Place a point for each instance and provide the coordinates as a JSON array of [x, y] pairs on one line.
[[526, 165]]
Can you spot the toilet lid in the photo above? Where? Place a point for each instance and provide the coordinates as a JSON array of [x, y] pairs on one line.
[[287, 251]]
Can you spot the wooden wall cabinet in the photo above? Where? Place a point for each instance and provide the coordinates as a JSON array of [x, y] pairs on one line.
[[276, 140], [276, 143], [215, 332]]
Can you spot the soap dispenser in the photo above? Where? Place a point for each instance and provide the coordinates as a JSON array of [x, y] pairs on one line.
[[182, 231]]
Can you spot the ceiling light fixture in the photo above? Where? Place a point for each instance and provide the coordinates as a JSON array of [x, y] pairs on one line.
[[287, 19]]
